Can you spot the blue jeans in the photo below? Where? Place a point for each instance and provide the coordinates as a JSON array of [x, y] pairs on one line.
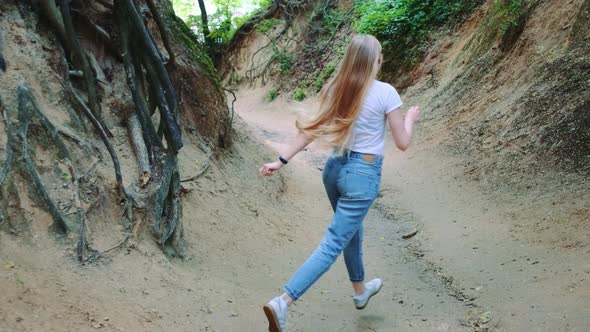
[[352, 185]]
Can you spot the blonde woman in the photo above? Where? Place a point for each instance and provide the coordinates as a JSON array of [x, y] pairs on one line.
[[353, 111]]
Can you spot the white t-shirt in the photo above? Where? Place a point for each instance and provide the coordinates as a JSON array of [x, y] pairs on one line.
[[368, 135]]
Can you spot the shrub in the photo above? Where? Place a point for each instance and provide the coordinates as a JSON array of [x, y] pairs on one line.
[[375, 16], [507, 14], [272, 94], [504, 22], [332, 19], [328, 70], [285, 63], [267, 25], [324, 75], [403, 26], [318, 84], [299, 94]]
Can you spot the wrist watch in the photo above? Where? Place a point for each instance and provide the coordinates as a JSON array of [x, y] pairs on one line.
[[283, 160]]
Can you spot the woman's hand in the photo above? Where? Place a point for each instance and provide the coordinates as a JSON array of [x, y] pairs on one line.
[[270, 168], [298, 144], [402, 128], [413, 114]]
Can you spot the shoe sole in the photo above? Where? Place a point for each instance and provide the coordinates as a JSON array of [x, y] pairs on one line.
[[273, 320], [369, 299]]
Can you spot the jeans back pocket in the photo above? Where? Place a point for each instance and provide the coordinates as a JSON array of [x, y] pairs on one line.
[[359, 183]]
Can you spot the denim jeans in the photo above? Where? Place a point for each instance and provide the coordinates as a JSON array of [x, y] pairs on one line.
[[352, 185]]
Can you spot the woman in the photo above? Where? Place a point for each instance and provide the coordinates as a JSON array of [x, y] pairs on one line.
[[353, 111]]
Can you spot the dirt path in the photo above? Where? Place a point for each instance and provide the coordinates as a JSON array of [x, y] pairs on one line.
[[471, 251], [246, 235]]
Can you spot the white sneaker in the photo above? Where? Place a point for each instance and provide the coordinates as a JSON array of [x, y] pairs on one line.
[[276, 312], [371, 288]]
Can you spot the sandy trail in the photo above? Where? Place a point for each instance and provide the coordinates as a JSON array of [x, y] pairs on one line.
[[475, 248], [246, 236]]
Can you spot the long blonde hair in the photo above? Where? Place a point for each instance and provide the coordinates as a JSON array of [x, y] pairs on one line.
[[342, 98]]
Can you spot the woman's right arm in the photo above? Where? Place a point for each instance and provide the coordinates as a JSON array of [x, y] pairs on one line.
[[403, 128], [298, 144]]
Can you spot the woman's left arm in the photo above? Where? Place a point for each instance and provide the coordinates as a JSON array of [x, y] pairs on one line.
[[300, 142]]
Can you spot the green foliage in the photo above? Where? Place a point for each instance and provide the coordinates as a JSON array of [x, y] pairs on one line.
[[272, 94], [332, 20], [318, 84], [375, 16], [182, 8], [325, 19], [299, 94], [324, 75], [234, 78], [262, 3], [328, 71], [222, 24], [240, 20], [403, 26], [503, 24], [267, 25], [285, 61], [187, 38], [506, 15]]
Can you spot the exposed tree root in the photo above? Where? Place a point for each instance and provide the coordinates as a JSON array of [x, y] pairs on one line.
[[6, 163], [96, 257], [161, 88], [272, 41], [28, 111], [140, 55], [166, 214], [200, 173], [78, 56], [103, 35], [140, 149], [7, 150], [163, 31], [231, 119], [81, 214], [48, 9], [2, 62], [103, 135], [151, 87], [130, 12], [105, 4], [133, 70], [78, 140]]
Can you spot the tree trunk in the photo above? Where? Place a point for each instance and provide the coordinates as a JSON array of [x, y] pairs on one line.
[[205, 21]]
